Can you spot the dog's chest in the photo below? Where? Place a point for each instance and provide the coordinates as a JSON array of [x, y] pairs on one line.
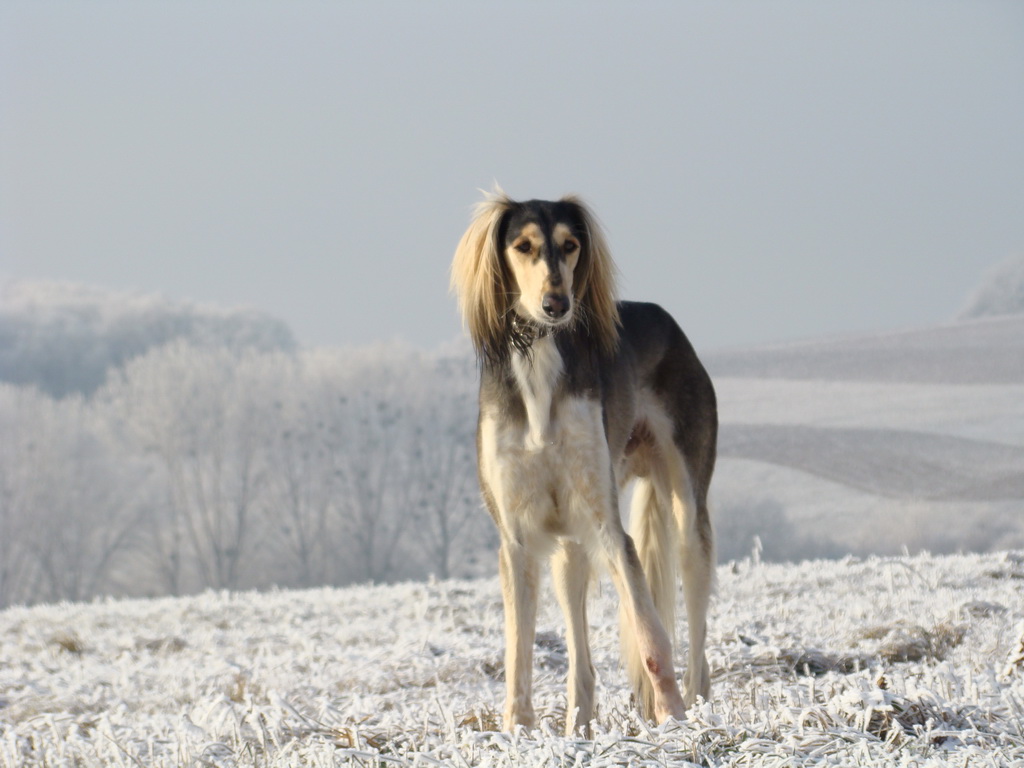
[[537, 376], [550, 490], [542, 471]]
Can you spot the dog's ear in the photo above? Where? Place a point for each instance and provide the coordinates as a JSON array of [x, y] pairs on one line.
[[594, 280], [479, 276]]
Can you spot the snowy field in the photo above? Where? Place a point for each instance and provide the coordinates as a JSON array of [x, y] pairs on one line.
[[911, 661], [870, 444]]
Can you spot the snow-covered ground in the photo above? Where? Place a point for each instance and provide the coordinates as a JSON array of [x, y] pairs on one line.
[[900, 661]]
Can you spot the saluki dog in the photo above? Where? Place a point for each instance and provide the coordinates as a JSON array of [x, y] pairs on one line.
[[579, 395]]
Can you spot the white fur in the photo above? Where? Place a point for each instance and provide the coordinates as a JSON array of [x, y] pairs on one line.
[[537, 374]]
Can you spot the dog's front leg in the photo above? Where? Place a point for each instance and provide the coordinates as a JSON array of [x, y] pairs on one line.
[[519, 572], [570, 567], [651, 640]]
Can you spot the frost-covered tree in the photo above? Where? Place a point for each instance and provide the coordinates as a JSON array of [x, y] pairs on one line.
[[305, 448], [19, 489], [1001, 292], [68, 501], [63, 338], [201, 413], [441, 466], [372, 473], [373, 492]]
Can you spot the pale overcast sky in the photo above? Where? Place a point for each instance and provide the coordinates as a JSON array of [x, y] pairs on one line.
[[765, 170]]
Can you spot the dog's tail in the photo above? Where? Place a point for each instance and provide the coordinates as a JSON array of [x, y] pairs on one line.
[[653, 529]]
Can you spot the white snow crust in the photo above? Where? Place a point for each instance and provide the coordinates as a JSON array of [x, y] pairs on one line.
[[908, 661]]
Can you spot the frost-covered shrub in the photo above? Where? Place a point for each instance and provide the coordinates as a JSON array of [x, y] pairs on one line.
[[1000, 293], [745, 525]]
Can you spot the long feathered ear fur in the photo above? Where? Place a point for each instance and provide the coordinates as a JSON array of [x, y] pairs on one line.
[[594, 282], [479, 277]]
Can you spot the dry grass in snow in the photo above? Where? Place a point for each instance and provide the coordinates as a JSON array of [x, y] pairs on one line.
[[907, 661]]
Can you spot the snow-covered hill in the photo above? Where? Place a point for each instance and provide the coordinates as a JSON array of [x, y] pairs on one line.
[[981, 351], [873, 443], [898, 661]]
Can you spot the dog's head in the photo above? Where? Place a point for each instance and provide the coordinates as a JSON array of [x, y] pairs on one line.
[[543, 261], [541, 243]]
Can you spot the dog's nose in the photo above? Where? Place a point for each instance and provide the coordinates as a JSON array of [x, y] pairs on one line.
[[555, 305]]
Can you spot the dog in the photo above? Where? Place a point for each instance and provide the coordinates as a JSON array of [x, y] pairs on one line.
[[580, 394]]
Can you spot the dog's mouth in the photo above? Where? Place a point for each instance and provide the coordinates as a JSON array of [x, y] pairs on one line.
[[561, 322], [543, 322], [554, 311]]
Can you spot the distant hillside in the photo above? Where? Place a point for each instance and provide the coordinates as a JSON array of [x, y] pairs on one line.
[[896, 463], [63, 337], [982, 351], [873, 443]]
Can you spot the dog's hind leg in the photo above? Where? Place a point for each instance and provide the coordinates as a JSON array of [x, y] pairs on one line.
[[570, 569], [654, 533], [697, 553], [518, 570]]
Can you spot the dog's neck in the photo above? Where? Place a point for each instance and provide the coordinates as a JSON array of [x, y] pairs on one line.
[[523, 333]]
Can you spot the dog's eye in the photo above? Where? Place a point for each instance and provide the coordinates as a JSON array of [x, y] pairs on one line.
[[570, 246], [524, 246]]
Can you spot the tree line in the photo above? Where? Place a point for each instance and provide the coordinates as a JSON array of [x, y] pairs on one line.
[[197, 467]]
